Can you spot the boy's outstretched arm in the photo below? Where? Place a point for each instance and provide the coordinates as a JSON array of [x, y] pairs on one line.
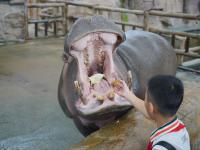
[[123, 90]]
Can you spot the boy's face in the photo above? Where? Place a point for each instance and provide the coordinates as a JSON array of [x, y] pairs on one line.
[[149, 106]]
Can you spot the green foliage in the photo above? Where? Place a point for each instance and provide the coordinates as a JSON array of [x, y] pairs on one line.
[[124, 17]]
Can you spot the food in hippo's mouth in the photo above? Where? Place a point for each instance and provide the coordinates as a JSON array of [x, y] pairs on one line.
[[100, 89], [116, 83], [96, 78], [101, 95]]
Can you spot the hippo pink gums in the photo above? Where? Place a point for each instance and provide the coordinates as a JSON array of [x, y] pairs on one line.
[[97, 52]]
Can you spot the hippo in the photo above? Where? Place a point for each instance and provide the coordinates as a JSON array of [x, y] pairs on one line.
[[96, 53]]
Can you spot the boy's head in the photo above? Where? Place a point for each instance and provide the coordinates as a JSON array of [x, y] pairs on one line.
[[165, 93]]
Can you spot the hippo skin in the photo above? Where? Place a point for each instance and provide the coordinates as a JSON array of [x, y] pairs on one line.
[[97, 45]]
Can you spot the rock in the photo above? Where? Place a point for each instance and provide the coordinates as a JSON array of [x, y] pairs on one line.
[[12, 22], [191, 6], [132, 130]]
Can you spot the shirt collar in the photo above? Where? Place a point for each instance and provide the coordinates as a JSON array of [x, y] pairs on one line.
[[166, 128]]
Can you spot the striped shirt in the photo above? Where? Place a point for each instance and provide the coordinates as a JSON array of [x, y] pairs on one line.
[[174, 133]]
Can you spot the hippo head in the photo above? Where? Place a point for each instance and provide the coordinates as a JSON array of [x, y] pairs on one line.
[[90, 69]]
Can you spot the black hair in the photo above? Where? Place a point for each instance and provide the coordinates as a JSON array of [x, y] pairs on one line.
[[166, 92]]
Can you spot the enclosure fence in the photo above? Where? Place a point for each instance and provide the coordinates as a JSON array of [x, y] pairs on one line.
[[66, 19]]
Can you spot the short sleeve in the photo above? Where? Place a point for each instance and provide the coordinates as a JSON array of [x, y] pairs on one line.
[[159, 147]]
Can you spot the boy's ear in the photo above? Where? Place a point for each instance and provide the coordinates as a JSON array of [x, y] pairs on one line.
[[152, 108]]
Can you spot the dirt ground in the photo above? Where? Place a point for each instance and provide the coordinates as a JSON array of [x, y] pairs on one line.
[[30, 115]]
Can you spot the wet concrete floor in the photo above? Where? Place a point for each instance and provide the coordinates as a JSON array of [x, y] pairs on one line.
[[30, 115]]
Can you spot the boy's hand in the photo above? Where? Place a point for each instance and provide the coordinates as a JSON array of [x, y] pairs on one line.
[[121, 88]]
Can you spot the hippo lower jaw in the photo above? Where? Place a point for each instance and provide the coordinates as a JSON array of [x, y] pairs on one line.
[[94, 55], [118, 104]]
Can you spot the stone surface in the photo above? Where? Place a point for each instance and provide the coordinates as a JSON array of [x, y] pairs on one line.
[[132, 131], [11, 22], [192, 6]]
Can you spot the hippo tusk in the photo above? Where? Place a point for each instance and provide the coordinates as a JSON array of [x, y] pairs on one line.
[[129, 79], [86, 57], [79, 91], [77, 87]]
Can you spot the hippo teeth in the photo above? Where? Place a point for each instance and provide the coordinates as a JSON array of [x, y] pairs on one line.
[[79, 91], [129, 79]]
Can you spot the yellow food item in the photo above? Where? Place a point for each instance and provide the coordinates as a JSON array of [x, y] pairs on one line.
[[100, 98], [116, 83], [96, 78], [111, 95]]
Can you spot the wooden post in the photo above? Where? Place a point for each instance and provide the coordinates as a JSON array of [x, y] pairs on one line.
[[37, 13], [94, 10], [109, 15], [55, 28], [26, 36], [36, 29], [179, 59], [65, 20], [46, 28], [187, 44], [133, 27], [146, 20], [123, 27], [99, 12], [173, 38]]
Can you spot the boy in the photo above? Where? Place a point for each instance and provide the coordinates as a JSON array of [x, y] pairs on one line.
[[163, 97]]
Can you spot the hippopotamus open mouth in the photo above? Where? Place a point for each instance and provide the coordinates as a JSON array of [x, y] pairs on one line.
[[93, 51], [96, 53], [96, 71]]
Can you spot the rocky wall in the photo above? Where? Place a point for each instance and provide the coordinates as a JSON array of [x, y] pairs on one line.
[[12, 20]]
